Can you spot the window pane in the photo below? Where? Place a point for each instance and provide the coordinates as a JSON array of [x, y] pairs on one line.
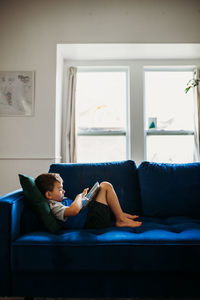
[[166, 100], [101, 148], [170, 149], [101, 99]]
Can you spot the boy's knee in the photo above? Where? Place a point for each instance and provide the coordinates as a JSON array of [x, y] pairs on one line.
[[106, 185]]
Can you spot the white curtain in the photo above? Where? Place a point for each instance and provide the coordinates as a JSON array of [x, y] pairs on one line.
[[197, 117], [70, 151]]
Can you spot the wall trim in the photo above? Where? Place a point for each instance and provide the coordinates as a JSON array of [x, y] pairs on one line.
[[13, 157]]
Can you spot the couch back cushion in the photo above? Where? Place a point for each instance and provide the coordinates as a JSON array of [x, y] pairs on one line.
[[170, 189], [122, 175]]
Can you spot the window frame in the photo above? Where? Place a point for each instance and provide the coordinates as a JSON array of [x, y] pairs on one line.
[[104, 131], [136, 105], [163, 132]]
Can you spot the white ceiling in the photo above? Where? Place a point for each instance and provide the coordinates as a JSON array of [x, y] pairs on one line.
[[128, 51]]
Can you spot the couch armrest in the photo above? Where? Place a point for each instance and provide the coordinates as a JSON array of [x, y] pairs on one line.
[[11, 206]]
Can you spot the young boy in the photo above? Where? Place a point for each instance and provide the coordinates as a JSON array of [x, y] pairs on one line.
[[96, 215]]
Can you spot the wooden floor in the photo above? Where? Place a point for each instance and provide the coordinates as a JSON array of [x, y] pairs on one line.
[[177, 298]]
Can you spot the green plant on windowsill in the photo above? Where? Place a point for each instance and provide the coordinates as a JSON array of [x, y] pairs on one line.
[[191, 84]]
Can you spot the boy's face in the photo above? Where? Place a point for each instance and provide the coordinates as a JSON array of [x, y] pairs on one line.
[[57, 193]]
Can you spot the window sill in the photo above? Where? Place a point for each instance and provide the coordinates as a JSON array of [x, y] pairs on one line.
[[101, 131], [168, 132]]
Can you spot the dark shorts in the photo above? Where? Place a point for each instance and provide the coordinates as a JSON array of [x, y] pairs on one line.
[[99, 216]]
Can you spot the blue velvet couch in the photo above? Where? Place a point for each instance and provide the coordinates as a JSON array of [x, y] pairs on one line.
[[159, 259]]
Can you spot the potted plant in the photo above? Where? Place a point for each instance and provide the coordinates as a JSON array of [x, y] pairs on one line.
[[191, 84]]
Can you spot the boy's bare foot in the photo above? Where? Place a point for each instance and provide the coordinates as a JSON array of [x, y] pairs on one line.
[[129, 216], [126, 222]]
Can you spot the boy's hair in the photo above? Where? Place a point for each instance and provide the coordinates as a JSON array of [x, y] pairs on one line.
[[45, 182]]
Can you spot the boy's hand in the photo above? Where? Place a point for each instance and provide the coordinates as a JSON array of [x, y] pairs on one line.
[[77, 203], [84, 193]]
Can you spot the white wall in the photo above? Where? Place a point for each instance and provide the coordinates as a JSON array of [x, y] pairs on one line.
[[29, 32]]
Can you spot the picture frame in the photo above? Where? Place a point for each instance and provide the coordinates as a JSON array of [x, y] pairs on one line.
[[17, 93]]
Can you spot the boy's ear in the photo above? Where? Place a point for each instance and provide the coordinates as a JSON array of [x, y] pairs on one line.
[[48, 194]]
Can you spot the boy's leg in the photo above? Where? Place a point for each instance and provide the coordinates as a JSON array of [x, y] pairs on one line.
[[108, 197]]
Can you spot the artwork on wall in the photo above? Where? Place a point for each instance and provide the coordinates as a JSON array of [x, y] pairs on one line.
[[16, 93]]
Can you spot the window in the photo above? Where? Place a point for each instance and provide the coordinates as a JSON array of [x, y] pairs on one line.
[[101, 114], [169, 116]]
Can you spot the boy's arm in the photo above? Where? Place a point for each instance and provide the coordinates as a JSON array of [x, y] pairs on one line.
[[76, 205]]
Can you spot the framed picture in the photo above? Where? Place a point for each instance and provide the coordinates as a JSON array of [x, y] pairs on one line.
[[16, 93]]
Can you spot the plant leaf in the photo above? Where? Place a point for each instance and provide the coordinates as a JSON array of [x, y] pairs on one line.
[[187, 89]]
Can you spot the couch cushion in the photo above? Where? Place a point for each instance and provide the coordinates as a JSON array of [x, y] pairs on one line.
[[29, 221], [170, 189], [38, 203], [122, 175], [171, 244]]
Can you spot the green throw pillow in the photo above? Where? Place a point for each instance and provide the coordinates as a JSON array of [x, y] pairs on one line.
[[38, 203]]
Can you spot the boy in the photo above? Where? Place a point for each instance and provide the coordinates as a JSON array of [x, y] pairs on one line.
[[97, 215]]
